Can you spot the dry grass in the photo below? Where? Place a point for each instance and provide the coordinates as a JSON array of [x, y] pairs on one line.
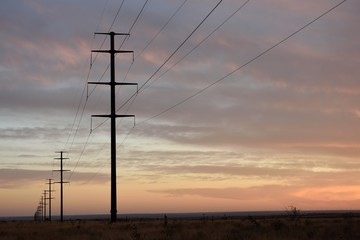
[[237, 229]]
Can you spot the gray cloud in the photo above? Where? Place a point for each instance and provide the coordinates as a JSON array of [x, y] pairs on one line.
[[292, 174], [229, 170], [31, 133], [19, 178]]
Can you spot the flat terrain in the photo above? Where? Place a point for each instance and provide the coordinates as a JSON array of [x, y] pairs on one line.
[[308, 227]]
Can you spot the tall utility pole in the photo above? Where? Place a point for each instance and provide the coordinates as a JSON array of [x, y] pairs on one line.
[[61, 158], [50, 198], [113, 115]]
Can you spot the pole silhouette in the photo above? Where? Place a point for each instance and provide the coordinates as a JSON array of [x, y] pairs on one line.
[[113, 116], [42, 207], [61, 158], [44, 203], [50, 198]]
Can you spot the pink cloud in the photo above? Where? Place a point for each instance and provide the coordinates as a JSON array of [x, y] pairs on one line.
[[330, 193]]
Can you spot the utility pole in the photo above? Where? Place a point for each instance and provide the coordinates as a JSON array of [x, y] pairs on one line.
[[38, 213], [42, 207], [113, 115], [44, 197], [61, 158], [50, 198]]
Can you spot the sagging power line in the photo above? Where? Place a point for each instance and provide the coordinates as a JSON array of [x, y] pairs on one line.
[[243, 65], [92, 61], [86, 90], [227, 75]]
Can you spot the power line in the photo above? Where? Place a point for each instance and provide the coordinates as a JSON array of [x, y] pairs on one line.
[[155, 36], [134, 23], [103, 165], [243, 65], [230, 73], [197, 27], [138, 16], [194, 48], [92, 61], [107, 142], [85, 145], [111, 25], [162, 28], [103, 42], [77, 113], [147, 45], [117, 14], [83, 92], [80, 156], [177, 49], [109, 29], [102, 15], [197, 45], [122, 43], [103, 74]]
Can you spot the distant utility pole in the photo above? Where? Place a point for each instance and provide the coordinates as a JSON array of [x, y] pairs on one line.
[[44, 204], [113, 115], [38, 213], [49, 198], [61, 158], [39, 210], [42, 207]]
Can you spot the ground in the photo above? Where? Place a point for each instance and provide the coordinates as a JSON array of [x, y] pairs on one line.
[[284, 227]]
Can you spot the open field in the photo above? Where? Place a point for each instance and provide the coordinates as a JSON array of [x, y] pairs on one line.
[[309, 227]]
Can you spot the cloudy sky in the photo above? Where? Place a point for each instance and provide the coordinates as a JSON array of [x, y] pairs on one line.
[[251, 107]]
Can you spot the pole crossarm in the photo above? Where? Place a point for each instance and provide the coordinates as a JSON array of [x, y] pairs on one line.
[[109, 115], [48, 191], [112, 51], [100, 83], [112, 33], [117, 83]]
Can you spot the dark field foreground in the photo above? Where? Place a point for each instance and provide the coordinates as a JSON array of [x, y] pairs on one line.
[[220, 229]]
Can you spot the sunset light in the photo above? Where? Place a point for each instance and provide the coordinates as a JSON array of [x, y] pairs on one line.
[[242, 106]]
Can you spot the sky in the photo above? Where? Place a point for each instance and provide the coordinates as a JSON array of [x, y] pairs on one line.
[[253, 107]]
